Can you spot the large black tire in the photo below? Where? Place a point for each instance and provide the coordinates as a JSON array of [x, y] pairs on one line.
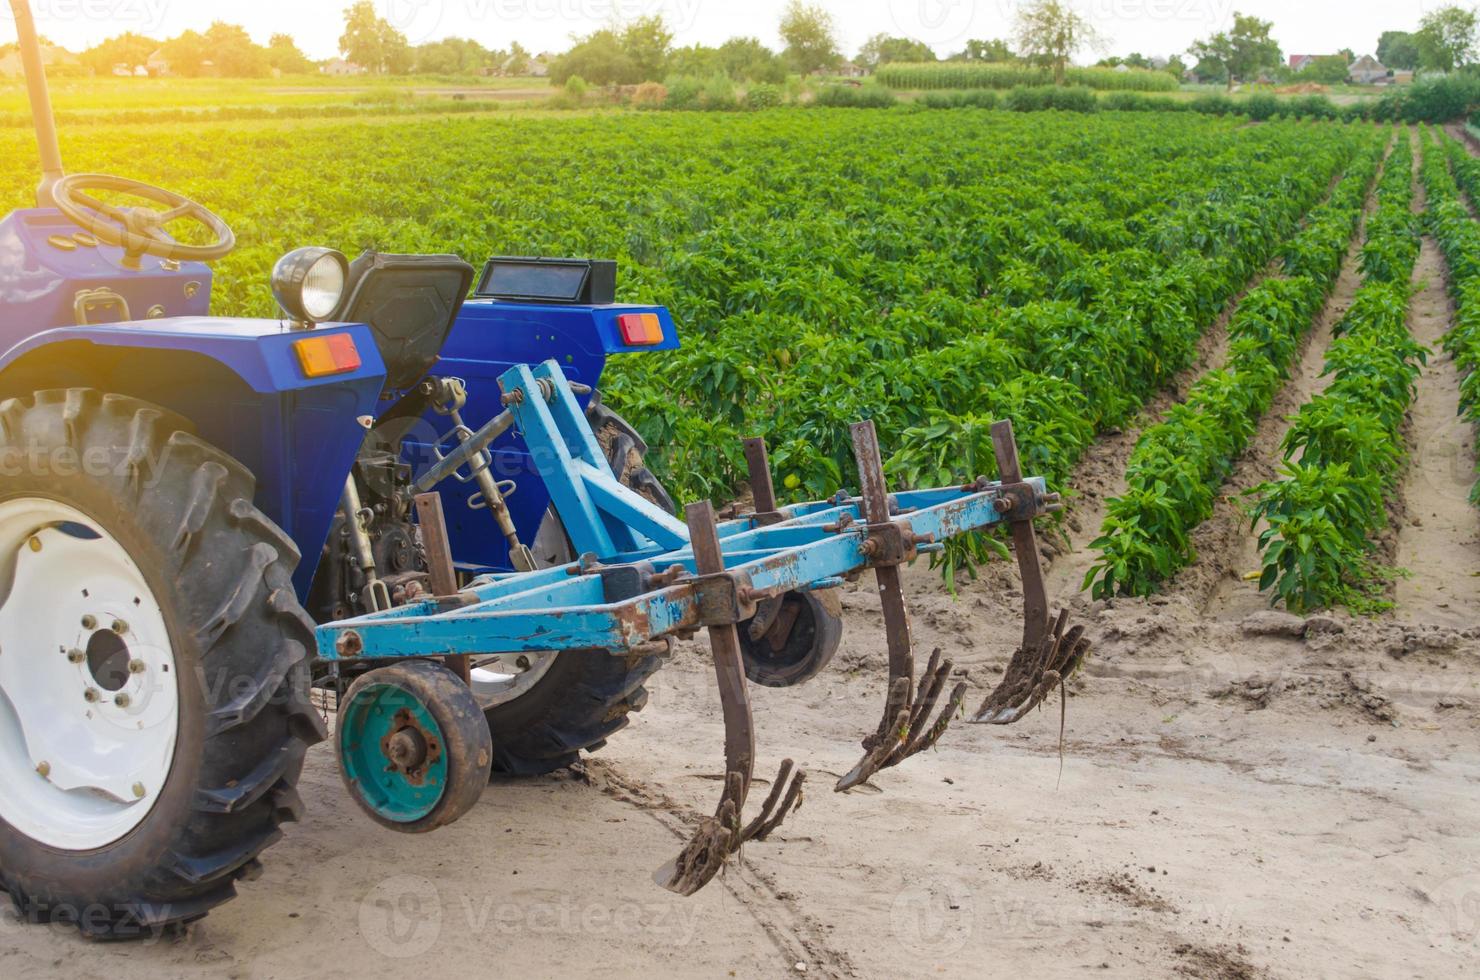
[[222, 574], [585, 698]]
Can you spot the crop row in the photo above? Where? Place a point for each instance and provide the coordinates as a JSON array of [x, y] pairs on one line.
[[1178, 465], [1344, 451], [959, 75], [1452, 226], [931, 271]]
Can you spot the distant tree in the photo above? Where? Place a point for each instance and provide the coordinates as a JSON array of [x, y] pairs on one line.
[[372, 43], [881, 49], [1243, 52], [233, 52], [597, 58], [1326, 70], [994, 50], [284, 55], [648, 41], [746, 59], [1176, 66], [451, 56], [696, 61], [187, 54], [518, 60], [639, 52], [810, 36], [1050, 31], [1446, 38], [1211, 71], [130, 50], [1399, 49]]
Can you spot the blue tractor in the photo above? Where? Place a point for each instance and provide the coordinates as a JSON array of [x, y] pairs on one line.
[[414, 455]]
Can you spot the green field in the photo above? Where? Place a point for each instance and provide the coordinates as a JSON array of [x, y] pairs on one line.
[[932, 270]]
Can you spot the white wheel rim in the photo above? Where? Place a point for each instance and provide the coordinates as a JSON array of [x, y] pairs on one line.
[[86, 744], [507, 677]]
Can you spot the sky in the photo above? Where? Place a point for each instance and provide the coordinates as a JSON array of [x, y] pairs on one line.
[[1151, 27]]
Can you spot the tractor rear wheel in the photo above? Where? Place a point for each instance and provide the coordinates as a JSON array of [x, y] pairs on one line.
[[551, 708], [154, 709]]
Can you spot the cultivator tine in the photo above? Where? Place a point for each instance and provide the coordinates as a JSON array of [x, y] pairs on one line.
[[1047, 656], [723, 834], [903, 731], [1034, 673]]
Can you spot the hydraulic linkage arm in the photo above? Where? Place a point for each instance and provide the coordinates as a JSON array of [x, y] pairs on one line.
[[645, 576]]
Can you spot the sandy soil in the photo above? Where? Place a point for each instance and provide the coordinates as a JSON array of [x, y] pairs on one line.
[[1241, 794]]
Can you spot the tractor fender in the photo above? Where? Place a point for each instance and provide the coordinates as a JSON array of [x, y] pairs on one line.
[[241, 385], [259, 352]]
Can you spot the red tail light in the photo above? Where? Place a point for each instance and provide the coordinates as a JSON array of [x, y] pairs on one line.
[[640, 329]]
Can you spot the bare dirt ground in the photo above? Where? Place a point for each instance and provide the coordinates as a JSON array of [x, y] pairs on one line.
[[1241, 794]]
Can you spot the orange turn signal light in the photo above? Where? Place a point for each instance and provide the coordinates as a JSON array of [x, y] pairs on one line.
[[640, 329], [326, 355]]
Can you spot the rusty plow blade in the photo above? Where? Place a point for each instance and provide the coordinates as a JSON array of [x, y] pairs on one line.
[[720, 836], [1048, 655], [1033, 673], [905, 729]]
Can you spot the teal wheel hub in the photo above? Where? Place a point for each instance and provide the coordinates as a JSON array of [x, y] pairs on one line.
[[393, 752]]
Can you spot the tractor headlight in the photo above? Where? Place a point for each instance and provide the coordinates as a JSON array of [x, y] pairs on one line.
[[309, 283]]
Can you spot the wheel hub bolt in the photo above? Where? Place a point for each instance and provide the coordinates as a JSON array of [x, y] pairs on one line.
[[44, 770], [137, 667], [123, 700], [89, 622], [139, 791], [90, 695], [120, 627], [522, 663], [76, 656], [35, 544]]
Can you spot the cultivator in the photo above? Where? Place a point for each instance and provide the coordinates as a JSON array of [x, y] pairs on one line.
[[645, 577]]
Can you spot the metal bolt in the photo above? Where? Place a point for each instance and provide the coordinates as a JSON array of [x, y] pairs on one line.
[[44, 770], [89, 622], [522, 663], [123, 700], [91, 695], [35, 544], [139, 790], [120, 627], [75, 656], [137, 666]]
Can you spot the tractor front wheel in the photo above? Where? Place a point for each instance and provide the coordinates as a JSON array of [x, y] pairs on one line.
[[154, 709]]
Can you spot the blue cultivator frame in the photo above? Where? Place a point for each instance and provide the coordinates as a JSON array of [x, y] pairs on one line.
[[645, 576]]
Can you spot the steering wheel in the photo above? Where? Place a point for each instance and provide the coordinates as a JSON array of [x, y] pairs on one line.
[[139, 230]]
